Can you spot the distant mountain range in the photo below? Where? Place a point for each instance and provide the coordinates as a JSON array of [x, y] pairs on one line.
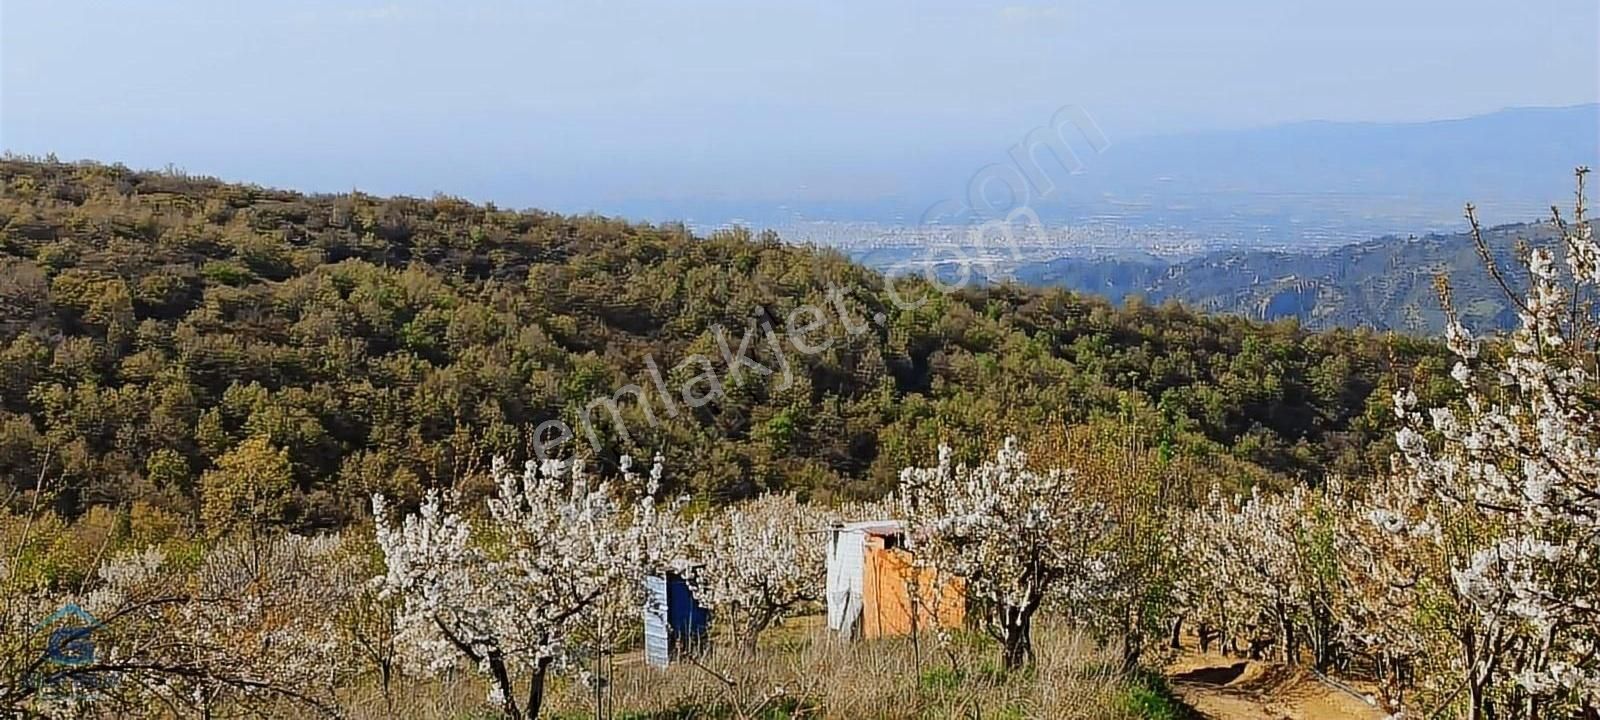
[[1385, 284], [1295, 186], [1277, 222], [1327, 183]]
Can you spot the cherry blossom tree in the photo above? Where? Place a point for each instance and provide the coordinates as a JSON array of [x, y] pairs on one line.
[[1207, 588], [1019, 538], [1487, 539], [1262, 567], [558, 552], [666, 542], [759, 562], [1139, 486], [1392, 569], [244, 631]]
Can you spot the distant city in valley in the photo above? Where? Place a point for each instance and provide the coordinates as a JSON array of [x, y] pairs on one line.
[[1303, 186], [1332, 224]]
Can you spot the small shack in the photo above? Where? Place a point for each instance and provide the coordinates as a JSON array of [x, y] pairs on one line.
[[674, 622], [874, 590]]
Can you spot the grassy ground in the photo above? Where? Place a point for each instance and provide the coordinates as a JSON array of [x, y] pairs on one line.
[[802, 672]]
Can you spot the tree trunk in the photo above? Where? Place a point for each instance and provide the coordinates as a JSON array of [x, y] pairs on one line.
[[1290, 647], [753, 630], [1479, 656], [1132, 650], [1015, 653], [1208, 635], [386, 674], [1478, 690], [536, 689], [508, 690], [1017, 650], [1322, 640]]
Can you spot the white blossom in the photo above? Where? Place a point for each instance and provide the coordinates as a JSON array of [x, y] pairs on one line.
[[558, 560], [1016, 536], [759, 562], [1502, 590]]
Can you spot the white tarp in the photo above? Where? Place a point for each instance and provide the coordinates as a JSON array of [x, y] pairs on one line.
[[846, 559], [846, 551]]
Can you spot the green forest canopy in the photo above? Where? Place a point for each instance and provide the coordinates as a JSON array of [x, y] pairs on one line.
[[166, 337]]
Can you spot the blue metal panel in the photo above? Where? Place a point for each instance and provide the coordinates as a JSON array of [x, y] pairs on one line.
[[688, 620]]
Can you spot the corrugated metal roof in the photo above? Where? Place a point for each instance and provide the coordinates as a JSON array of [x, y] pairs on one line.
[[875, 527]]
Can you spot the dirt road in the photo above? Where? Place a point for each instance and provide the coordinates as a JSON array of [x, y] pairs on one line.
[[1222, 688]]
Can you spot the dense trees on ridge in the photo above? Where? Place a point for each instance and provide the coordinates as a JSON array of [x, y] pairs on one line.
[[158, 331]]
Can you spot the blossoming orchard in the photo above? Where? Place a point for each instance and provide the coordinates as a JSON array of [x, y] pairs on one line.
[[1463, 582]]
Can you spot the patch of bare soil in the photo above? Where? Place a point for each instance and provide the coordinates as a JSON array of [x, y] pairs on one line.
[[1223, 688]]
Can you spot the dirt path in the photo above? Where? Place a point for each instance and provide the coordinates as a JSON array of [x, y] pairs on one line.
[[1222, 688]]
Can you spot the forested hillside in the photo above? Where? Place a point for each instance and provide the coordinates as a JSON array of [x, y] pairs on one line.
[[1387, 284], [167, 339]]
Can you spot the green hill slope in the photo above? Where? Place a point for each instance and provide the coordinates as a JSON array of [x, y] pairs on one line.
[[151, 323]]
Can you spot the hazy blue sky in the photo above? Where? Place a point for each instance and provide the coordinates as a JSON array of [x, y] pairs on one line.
[[629, 106]]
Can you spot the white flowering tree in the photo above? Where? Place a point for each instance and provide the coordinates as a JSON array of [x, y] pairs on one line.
[[665, 543], [1263, 567], [760, 562], [1394, 569], [557, 554], [1019, 538], [1140, 487], [1207, 589], [246, 630], [1488, 537]]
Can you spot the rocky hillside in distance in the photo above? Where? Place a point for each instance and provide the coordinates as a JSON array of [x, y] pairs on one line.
[[1386, 284]]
